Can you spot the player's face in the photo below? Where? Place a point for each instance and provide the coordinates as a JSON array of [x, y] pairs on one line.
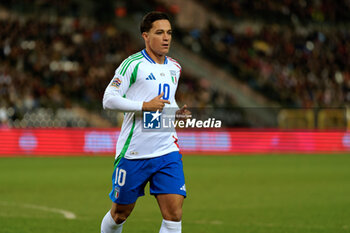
[[158, 38]]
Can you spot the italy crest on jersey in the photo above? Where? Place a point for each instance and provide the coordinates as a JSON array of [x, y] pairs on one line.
[[173, 76], [116, 192]]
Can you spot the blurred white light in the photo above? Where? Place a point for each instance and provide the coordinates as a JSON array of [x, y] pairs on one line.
[[7, 50], [339, 77], [54, 66], [31, 44], [24, 44], [67, 66], [310, 46], [28, 45], [3, 114]]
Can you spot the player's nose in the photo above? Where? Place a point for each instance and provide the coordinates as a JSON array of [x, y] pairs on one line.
[[166, 37]]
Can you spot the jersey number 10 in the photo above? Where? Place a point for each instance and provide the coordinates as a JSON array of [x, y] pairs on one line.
[[120, 176], [165, 89]]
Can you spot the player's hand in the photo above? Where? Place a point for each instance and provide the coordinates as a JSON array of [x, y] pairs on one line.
[[155, 104], [183, 113]]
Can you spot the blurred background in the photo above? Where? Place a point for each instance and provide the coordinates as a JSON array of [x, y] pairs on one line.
[[245, 58], [255, 64], [275, 72]]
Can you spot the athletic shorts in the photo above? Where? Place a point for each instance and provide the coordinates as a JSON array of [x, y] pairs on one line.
[[165, 174]]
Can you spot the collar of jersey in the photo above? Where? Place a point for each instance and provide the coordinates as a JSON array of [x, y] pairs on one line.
[[148, 58]]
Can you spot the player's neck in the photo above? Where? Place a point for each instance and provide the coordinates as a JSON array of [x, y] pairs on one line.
[[159, 59]]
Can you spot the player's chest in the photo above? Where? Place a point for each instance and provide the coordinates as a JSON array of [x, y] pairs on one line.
[[150, 77]]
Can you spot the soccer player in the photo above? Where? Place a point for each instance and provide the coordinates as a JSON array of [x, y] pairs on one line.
[[146, 81]]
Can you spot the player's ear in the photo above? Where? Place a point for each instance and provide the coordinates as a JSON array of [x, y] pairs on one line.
[[144, 35]]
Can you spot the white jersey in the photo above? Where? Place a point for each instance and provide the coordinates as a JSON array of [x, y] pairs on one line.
[[139, 79]]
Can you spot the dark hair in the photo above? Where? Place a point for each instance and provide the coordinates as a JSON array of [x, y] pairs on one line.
[[149, 18]]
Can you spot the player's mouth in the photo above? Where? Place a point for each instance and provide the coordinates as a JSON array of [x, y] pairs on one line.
[[165, 45]]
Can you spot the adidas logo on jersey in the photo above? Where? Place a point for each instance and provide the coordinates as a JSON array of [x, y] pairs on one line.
[[183, 188], [151, 77]]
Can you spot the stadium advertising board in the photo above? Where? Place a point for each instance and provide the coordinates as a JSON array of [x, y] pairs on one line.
[[87, 141]]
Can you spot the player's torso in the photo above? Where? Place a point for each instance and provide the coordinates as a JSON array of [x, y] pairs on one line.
[[152, 80]]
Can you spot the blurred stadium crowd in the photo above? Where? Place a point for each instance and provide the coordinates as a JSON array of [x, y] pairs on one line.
[[297, 68], [297, 54], [65, 61], [283, 11]]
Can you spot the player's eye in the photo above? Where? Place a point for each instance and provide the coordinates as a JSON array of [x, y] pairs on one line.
[[170, 32]]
